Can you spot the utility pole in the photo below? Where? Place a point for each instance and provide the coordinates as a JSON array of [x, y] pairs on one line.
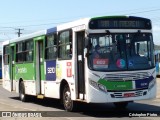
[[19, 32]]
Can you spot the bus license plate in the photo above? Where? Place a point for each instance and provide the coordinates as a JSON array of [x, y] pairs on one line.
[[129, 95]]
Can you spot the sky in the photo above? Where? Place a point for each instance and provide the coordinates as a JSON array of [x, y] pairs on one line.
[[35, 15]]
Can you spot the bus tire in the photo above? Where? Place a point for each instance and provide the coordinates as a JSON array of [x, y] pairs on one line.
[[121, 105], [22, 95], [68, 103]]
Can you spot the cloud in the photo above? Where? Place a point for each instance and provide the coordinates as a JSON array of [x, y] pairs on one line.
[[156, 34]]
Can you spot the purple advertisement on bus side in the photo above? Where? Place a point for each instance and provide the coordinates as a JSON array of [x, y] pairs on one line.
[[51, 70]]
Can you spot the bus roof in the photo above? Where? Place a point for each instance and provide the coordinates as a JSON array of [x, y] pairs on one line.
[[25, 37], [73, 24], [64, 26], [118, 17], [6, 42]]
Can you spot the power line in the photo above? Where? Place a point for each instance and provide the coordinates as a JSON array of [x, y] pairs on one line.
[[42, 24], [36, 25], [153, 10], [7, 27], [143, 11], [146, 11], [62, 18]]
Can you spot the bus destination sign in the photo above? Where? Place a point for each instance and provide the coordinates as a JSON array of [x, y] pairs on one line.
[[119, 24]]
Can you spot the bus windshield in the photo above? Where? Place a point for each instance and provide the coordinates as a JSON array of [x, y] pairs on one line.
[[126, 51]]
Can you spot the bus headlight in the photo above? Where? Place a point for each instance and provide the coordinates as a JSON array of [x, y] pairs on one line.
[[93, 83], [98, 86], [151, 84], [102, 87]]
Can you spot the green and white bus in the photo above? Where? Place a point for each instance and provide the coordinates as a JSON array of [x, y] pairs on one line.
[[93, 60]]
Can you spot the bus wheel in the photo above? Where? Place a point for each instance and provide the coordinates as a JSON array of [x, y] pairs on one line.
[[22, 94], [121, 105], [67, 102]]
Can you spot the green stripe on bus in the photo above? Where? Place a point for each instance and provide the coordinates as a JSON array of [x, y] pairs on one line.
[[116, 85], [12, 44], [39, 38], [24, 71], [42, 72]]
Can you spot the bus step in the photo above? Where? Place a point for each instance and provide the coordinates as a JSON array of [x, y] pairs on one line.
[[40, 96]]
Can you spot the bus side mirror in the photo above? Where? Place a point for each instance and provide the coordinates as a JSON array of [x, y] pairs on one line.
[[138, 45], [86, 43], [88, 46]]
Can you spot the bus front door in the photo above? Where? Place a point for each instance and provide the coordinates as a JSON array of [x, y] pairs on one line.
[[39, 67], [80, 63]]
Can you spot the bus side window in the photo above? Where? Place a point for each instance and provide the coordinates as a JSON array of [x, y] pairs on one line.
[[6, 55], [28, 51], [19, 52], [51, 47], [65, 45]]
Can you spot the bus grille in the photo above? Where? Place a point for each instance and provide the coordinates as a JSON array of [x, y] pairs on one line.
[[126, 76]]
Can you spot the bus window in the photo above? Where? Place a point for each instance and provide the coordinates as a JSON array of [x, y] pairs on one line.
[[6, 55], [29, 50], [65, 45], [51, 47], [19, 52]]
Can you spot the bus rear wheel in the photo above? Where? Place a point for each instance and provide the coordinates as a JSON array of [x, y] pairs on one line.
[[68, 103], [121, 105], [22, 95]]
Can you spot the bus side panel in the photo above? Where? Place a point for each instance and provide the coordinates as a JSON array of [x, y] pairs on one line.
[[55, 73], [0, 66], [50, 87], [30, 87], [158, 69], [6, 78], [14, 81], [69, 75], [27, 74]]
